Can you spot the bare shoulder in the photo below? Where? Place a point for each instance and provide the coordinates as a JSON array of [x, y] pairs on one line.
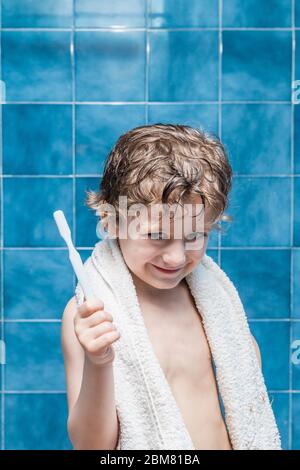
[[257, 350], [70, 342], [68, 316]]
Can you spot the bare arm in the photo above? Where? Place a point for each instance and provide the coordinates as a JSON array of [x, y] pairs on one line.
[[257, 351], [92, 417]]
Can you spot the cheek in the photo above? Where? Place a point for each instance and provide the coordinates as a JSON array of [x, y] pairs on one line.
[[138, 253], [195, 256]]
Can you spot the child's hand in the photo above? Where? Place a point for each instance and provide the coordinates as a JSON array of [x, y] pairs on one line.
[[95, 331]]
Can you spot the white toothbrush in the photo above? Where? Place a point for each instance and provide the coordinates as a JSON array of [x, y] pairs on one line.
[[74, 256]]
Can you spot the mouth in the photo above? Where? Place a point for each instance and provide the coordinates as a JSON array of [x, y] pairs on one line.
[[167, 271]]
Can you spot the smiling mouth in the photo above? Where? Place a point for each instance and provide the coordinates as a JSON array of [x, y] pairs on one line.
[[168, 271]]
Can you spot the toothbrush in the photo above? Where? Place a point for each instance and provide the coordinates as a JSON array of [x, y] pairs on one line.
[[74, 256]]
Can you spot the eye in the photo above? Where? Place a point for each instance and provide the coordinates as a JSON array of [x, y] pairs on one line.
[[157, 236], [196, 236]]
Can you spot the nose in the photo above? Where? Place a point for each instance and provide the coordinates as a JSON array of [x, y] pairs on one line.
[[175, 255]]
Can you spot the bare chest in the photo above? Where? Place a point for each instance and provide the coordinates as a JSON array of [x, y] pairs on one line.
[[181, 346]]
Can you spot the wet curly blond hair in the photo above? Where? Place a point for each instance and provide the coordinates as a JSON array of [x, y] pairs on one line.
[[166, 163]]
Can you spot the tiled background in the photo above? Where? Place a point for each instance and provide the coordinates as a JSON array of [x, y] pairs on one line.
[[77, 75]]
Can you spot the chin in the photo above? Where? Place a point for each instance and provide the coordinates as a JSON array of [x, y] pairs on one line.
[[167, 284]]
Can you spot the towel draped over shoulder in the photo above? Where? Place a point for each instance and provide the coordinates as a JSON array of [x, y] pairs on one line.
[[148, 414]]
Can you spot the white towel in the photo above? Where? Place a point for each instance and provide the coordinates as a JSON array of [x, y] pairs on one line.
[[148, 413]]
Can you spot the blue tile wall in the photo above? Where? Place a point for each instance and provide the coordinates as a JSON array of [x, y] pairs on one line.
[[182, 14], [31, 14], [110, 66], [36, 65], [257, 65], [268, 134], [97, 128], [255, 13], [41, 137], [195, 52], [75, 75]]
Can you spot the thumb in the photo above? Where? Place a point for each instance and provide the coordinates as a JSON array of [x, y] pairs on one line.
[[94, 301]]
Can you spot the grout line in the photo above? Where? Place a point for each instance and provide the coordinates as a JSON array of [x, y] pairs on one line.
[[131, 29], [58, 320], [210, 247], [96, 175], [63, 392], [147, 61], [29, 392], [73, 134], [32, 320], [220, 56], [290, 429], [2, 257], [141, 103], [50, 392]]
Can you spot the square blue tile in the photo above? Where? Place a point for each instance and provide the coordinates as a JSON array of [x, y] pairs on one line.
[[256, 65], [274, 354], [200, 116], [34, 359], [86, 218], [183, 65], [29, 204], [213, 254], [36, 65], [257, 13], [297, 13], [110, 66], [262, 278], [254, 134], [297, 62], [295, 357], [296, 422], [39, 276], [37, 139], [182, 14], [297, 135], [33, 14], [98, 128], [297, 211], [106, 14], [257, 205], [280, 406], [36, 422], [296, 283]]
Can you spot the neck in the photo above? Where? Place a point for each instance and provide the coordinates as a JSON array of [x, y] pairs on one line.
[[156, 294]]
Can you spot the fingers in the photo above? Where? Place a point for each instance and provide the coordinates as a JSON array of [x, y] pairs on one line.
[[102, 342], [88, 334], [95, 330], [90, 306], [96, 318]]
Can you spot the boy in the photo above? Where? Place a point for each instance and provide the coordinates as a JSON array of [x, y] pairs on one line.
[[149, 165]]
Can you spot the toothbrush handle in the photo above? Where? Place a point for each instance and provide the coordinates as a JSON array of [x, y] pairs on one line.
[[81, 273]]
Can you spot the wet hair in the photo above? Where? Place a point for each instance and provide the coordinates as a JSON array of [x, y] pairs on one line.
[[166, 163]]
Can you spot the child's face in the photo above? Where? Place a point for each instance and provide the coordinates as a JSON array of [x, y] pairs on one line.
[[144, 256]]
